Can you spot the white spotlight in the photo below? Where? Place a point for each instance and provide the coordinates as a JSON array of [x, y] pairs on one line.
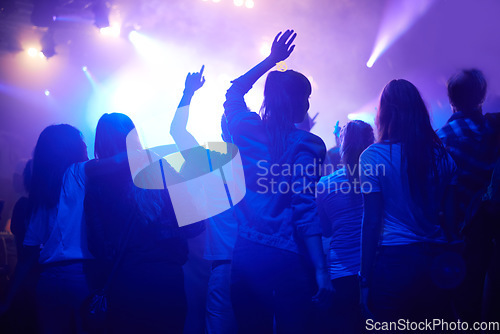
[[111, 31], [238, 3], [32, 52], [249, 3], [265, 49], [84, 68], [47, 92]]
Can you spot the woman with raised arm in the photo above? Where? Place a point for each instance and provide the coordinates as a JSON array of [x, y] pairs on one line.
[[221, 229], [405, 264], [278, 264]]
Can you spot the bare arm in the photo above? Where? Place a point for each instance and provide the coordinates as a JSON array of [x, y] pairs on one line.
[[178, 128]]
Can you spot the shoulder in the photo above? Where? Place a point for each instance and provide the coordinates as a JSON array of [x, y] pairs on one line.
[[307, 141], [338, 176], [374, 150], [75, 174]]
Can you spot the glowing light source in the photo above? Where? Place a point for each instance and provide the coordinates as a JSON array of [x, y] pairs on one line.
[[32, 52], [238, 3], [84, 68], [398, 17], [249, 3], [112, 31], [216, 0], [47, 92], [265, 49]]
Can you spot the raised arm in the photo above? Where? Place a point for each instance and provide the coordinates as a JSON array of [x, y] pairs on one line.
[[182, 137], [281, 49]]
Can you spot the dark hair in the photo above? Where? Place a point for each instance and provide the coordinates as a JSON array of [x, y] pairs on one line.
[[285, 97], [111, 135], [403, 118], [467, 91], [355, 137], [58, 147], [111, 139]]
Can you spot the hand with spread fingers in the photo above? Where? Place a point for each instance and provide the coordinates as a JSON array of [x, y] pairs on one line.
[[282, 46]]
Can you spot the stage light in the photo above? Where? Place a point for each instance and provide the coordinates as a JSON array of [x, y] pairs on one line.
[[84, 68], [398, 17], [265, 49], [133, 36], [149, 48], [249, 3], [47, 92], [32, 52], [112, 31], [216, 1], [238, 3]]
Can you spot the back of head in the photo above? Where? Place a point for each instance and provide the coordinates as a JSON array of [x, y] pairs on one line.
[[286, 102], [57, 148], [111, 135], [355, 137], [467, 91], [111, 139], [403, 118], [402, 114]]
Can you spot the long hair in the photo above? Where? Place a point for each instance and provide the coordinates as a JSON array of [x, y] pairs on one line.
[[355, 137], [58, 147], [285, 103], [403, 118], [110, 140]]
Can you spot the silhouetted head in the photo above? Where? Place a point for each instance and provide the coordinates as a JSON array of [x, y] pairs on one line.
[[286, 96], [402, 112], [286, 102], [111, 139], [57, 148], [355, 137], [111, 135], [467, 91], [403, 118]]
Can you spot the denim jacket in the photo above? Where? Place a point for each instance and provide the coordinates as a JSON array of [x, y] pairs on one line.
[[279, 208]]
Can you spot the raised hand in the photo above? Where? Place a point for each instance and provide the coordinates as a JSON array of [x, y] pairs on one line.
[[194, 81], [282, 46], [336, 129]]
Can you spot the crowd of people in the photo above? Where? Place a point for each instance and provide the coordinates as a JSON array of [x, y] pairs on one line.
[[406, 226]]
